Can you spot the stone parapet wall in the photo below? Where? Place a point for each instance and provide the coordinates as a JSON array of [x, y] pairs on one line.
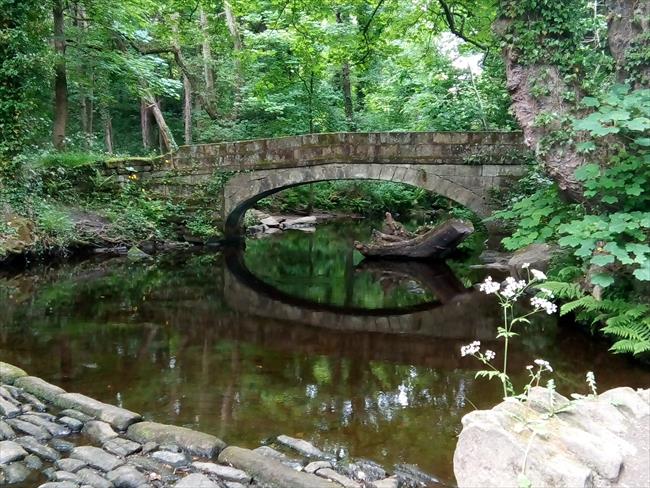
[[373, 147]]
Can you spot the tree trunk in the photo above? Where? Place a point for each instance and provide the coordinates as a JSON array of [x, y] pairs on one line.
[[187, 85], [108, 132], [347, 96], [432, 244], [346, 86], [60, 78], [187, 110], [231, 21], [560, 160], [208, 73], [145, 124], [628, 20], [166, 136]]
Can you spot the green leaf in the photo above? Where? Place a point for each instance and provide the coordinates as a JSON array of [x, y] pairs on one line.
[[642, 141], [602, 279], [638, 123], [587, 171], [602, 259], [643, 273], [610, 199], [590, 102], [586, 146], [617, 115]]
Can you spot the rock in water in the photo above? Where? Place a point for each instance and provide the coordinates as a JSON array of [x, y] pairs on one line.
[[136, 254]]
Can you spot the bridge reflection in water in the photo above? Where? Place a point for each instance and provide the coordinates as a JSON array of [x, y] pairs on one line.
[[418, 334]]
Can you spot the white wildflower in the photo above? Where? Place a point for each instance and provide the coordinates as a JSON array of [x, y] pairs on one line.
[[490, 355], [543, 364], [525, 266], [529, 367], [512, 287], [544, 304], [538, 275], [488, 286], [591, 381], [470, 349]]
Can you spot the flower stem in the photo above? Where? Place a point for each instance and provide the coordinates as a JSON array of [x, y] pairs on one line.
[[505, 351]]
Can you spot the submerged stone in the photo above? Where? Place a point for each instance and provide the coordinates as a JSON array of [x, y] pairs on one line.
[[302, 446], [15, 472]]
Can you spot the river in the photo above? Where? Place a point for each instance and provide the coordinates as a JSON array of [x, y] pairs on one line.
[[294, 335]]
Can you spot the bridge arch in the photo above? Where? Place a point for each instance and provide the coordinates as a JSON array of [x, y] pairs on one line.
[[451, 181]]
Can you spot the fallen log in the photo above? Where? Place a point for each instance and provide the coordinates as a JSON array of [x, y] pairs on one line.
[[431, 244]]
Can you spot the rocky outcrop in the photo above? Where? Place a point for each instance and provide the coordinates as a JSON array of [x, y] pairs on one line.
[[549, 441]]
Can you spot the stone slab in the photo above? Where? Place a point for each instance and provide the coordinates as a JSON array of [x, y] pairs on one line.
[[196, 480], [120, 418], [269, 471], [96, 457], [11, 451], [224, 472], [10, 373], [39, 387], [302, 446], [197, 443], [33, 446]]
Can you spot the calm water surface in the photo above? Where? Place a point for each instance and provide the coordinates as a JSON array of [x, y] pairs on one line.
[[296, 335]]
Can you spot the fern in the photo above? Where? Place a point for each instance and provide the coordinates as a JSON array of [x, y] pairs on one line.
[[567, 291], [626, 322]]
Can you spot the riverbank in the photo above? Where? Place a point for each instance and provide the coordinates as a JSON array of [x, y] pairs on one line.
[[55, 439]]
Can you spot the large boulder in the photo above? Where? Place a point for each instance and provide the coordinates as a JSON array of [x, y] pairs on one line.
[[537, 256], [550, 441]]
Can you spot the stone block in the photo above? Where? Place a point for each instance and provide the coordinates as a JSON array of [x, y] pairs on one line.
[[41, 388], [196, 480], [96, 458], [269, 471], [10, 373], [11, 451], [197, 443], [120, 418]]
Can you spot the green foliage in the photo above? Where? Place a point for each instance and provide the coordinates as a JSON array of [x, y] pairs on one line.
[[606, 237], [365, 198]]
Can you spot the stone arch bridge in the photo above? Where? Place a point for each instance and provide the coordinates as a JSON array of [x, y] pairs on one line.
[[462, 166]]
